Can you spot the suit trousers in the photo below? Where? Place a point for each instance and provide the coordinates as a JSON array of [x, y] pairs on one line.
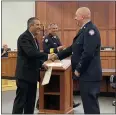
[[89, 92], [25, 97]]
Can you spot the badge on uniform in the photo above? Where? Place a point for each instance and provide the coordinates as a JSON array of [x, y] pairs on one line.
[[46, 40], [91, 32]]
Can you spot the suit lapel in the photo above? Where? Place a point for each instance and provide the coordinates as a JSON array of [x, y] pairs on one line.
[[32, 39]]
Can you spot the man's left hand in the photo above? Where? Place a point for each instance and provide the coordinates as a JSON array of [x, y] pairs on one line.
[[44, 65], [77, 73]]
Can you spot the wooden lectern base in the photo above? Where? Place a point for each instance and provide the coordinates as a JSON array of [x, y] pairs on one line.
[[57, 96], [57, 112]]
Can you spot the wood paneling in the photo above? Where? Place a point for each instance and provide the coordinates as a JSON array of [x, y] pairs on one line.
[[101, 14], [54, 13], [68, 37], [40, 11], [63, 13], [4, 66], [104, 37], [112, 15], [112, 38], [108, 59], [105, 62], [69, 15]]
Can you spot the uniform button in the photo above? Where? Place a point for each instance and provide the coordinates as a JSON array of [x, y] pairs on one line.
[[72, 52]]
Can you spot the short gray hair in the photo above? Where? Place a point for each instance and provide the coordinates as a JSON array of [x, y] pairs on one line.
[[31, 21]]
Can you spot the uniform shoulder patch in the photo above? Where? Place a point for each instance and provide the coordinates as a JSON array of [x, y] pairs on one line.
[[91, 32], [46, 40]]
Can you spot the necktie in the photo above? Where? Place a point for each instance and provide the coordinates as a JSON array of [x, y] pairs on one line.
[[36, 43]]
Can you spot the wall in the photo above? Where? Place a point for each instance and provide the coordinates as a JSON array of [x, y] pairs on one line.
[[14, 20], [63, 13]]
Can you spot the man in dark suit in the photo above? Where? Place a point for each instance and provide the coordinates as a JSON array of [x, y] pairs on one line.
[[4, 50], [29, 62], [86, 64], [52, 43]]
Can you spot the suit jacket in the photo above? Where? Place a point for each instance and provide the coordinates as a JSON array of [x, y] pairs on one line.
[[6, 54], [85, 51], [29, 58], [51, 41]]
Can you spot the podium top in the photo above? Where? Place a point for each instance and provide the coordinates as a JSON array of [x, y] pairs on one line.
[[12, 53], [59, 65]]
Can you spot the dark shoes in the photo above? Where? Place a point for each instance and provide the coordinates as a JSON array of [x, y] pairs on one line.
[[76, 104]]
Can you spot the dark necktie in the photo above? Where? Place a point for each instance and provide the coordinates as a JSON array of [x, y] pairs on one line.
[[36, 43]]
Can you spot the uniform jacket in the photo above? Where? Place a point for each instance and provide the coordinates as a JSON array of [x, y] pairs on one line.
[[51, 43], [85, 51]]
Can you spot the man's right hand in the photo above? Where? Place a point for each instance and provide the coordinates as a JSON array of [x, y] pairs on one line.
[[52, 57]]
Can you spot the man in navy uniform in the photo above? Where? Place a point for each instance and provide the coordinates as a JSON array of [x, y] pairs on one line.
[[86, 64], [51, 43], [29, 62]]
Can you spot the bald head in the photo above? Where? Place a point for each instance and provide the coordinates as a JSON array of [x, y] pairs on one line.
[[82, 15], [84, 12]]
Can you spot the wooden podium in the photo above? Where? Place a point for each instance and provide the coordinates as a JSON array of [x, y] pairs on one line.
[[57, 96]]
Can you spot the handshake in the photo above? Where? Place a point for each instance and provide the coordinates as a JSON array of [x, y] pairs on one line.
[[52, 57]]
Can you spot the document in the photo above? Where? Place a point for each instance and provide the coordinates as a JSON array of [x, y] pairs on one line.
[[55, 64], [47, 76]]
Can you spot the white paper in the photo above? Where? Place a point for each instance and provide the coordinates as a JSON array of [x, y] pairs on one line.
[[54, 64], [47, 76]]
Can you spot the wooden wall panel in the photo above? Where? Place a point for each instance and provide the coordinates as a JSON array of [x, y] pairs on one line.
[[69, 15], [54, 13], [40, 11], [68, 37], [103, 34], [103, 15], [4, 67], [113, 62], [105, 63], [112, 15], [112, 38]]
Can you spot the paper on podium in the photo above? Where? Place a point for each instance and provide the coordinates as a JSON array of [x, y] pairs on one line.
[[47, 76], [54, 64]]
